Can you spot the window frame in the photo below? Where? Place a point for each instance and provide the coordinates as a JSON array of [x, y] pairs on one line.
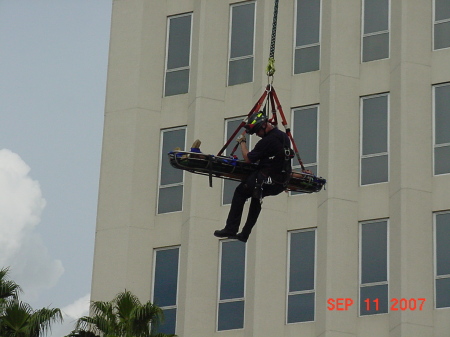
[[361, 135], [230, 29], [364, 35], [249, 145], [219, 285], [435, 23], [299, 292], [295, 47], [161, 145], [436, 276], [188, 67], [441, 145], [294, 160], [362, 285], [175, 306]]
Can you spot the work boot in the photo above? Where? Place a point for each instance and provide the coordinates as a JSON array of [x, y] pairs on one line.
[[223, 233], [196, 144], [241, 237]]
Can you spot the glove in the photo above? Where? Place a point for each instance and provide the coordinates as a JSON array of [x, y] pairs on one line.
[[241, 139]]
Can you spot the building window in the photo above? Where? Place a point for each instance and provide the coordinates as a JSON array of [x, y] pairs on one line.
[[373, 296], [232, 285], [165, 286], [374, 139], [178, 54], [441, 129], [441, 24], [242, 36], [305, 133], [375, 39], [307, 36], [442, 259], [301, 298], [230, 185], [171, 180]]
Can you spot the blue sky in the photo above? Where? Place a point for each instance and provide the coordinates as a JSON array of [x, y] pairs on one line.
[[53, 65]]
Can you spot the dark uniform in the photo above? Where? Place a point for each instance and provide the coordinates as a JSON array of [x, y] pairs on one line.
[[268, 180]]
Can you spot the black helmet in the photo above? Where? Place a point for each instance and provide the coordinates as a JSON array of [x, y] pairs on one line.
[[255, 122]]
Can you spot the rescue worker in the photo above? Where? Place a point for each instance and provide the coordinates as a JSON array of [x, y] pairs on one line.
[[273, 155]]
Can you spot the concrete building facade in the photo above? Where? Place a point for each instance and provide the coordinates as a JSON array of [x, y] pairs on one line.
[[365, 86]]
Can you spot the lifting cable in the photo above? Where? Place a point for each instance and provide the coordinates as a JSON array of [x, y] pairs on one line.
[[270, 69]]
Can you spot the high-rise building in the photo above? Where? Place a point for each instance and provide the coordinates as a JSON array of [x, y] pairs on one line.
[[365, 86]]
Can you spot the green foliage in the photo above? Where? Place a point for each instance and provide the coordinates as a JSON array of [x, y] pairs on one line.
[[124, 316], [8, 288], [18, 319]]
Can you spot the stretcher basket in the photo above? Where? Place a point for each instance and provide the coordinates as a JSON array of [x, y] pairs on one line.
[[234, 169]]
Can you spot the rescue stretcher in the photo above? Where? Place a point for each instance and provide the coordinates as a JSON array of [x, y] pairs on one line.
[[233, 169]]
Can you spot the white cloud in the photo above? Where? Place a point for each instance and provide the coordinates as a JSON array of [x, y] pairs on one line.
[[21, 249], [78, 308], [71, 313], [21, 203]]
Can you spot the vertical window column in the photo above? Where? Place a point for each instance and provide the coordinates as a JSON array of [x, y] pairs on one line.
[[374, 139], [178, 58], [373, 245], [441, 129], [171, 180], [301, 297], [307, 36], [442, 259], [305, 133], [375, 39], [165, 286], [230, 313], [441, 24], [241, 49]]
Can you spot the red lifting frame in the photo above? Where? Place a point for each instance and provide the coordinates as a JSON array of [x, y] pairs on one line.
[[271, 95]]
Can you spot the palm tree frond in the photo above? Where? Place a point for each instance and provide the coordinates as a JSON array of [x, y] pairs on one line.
[[8, 288], [124, 316], [82, 334], [41, 320], [19, 319]]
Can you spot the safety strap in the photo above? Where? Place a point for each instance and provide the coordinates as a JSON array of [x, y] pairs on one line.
[[271, 95], [256, 108], [210, 171], [286, 127]]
